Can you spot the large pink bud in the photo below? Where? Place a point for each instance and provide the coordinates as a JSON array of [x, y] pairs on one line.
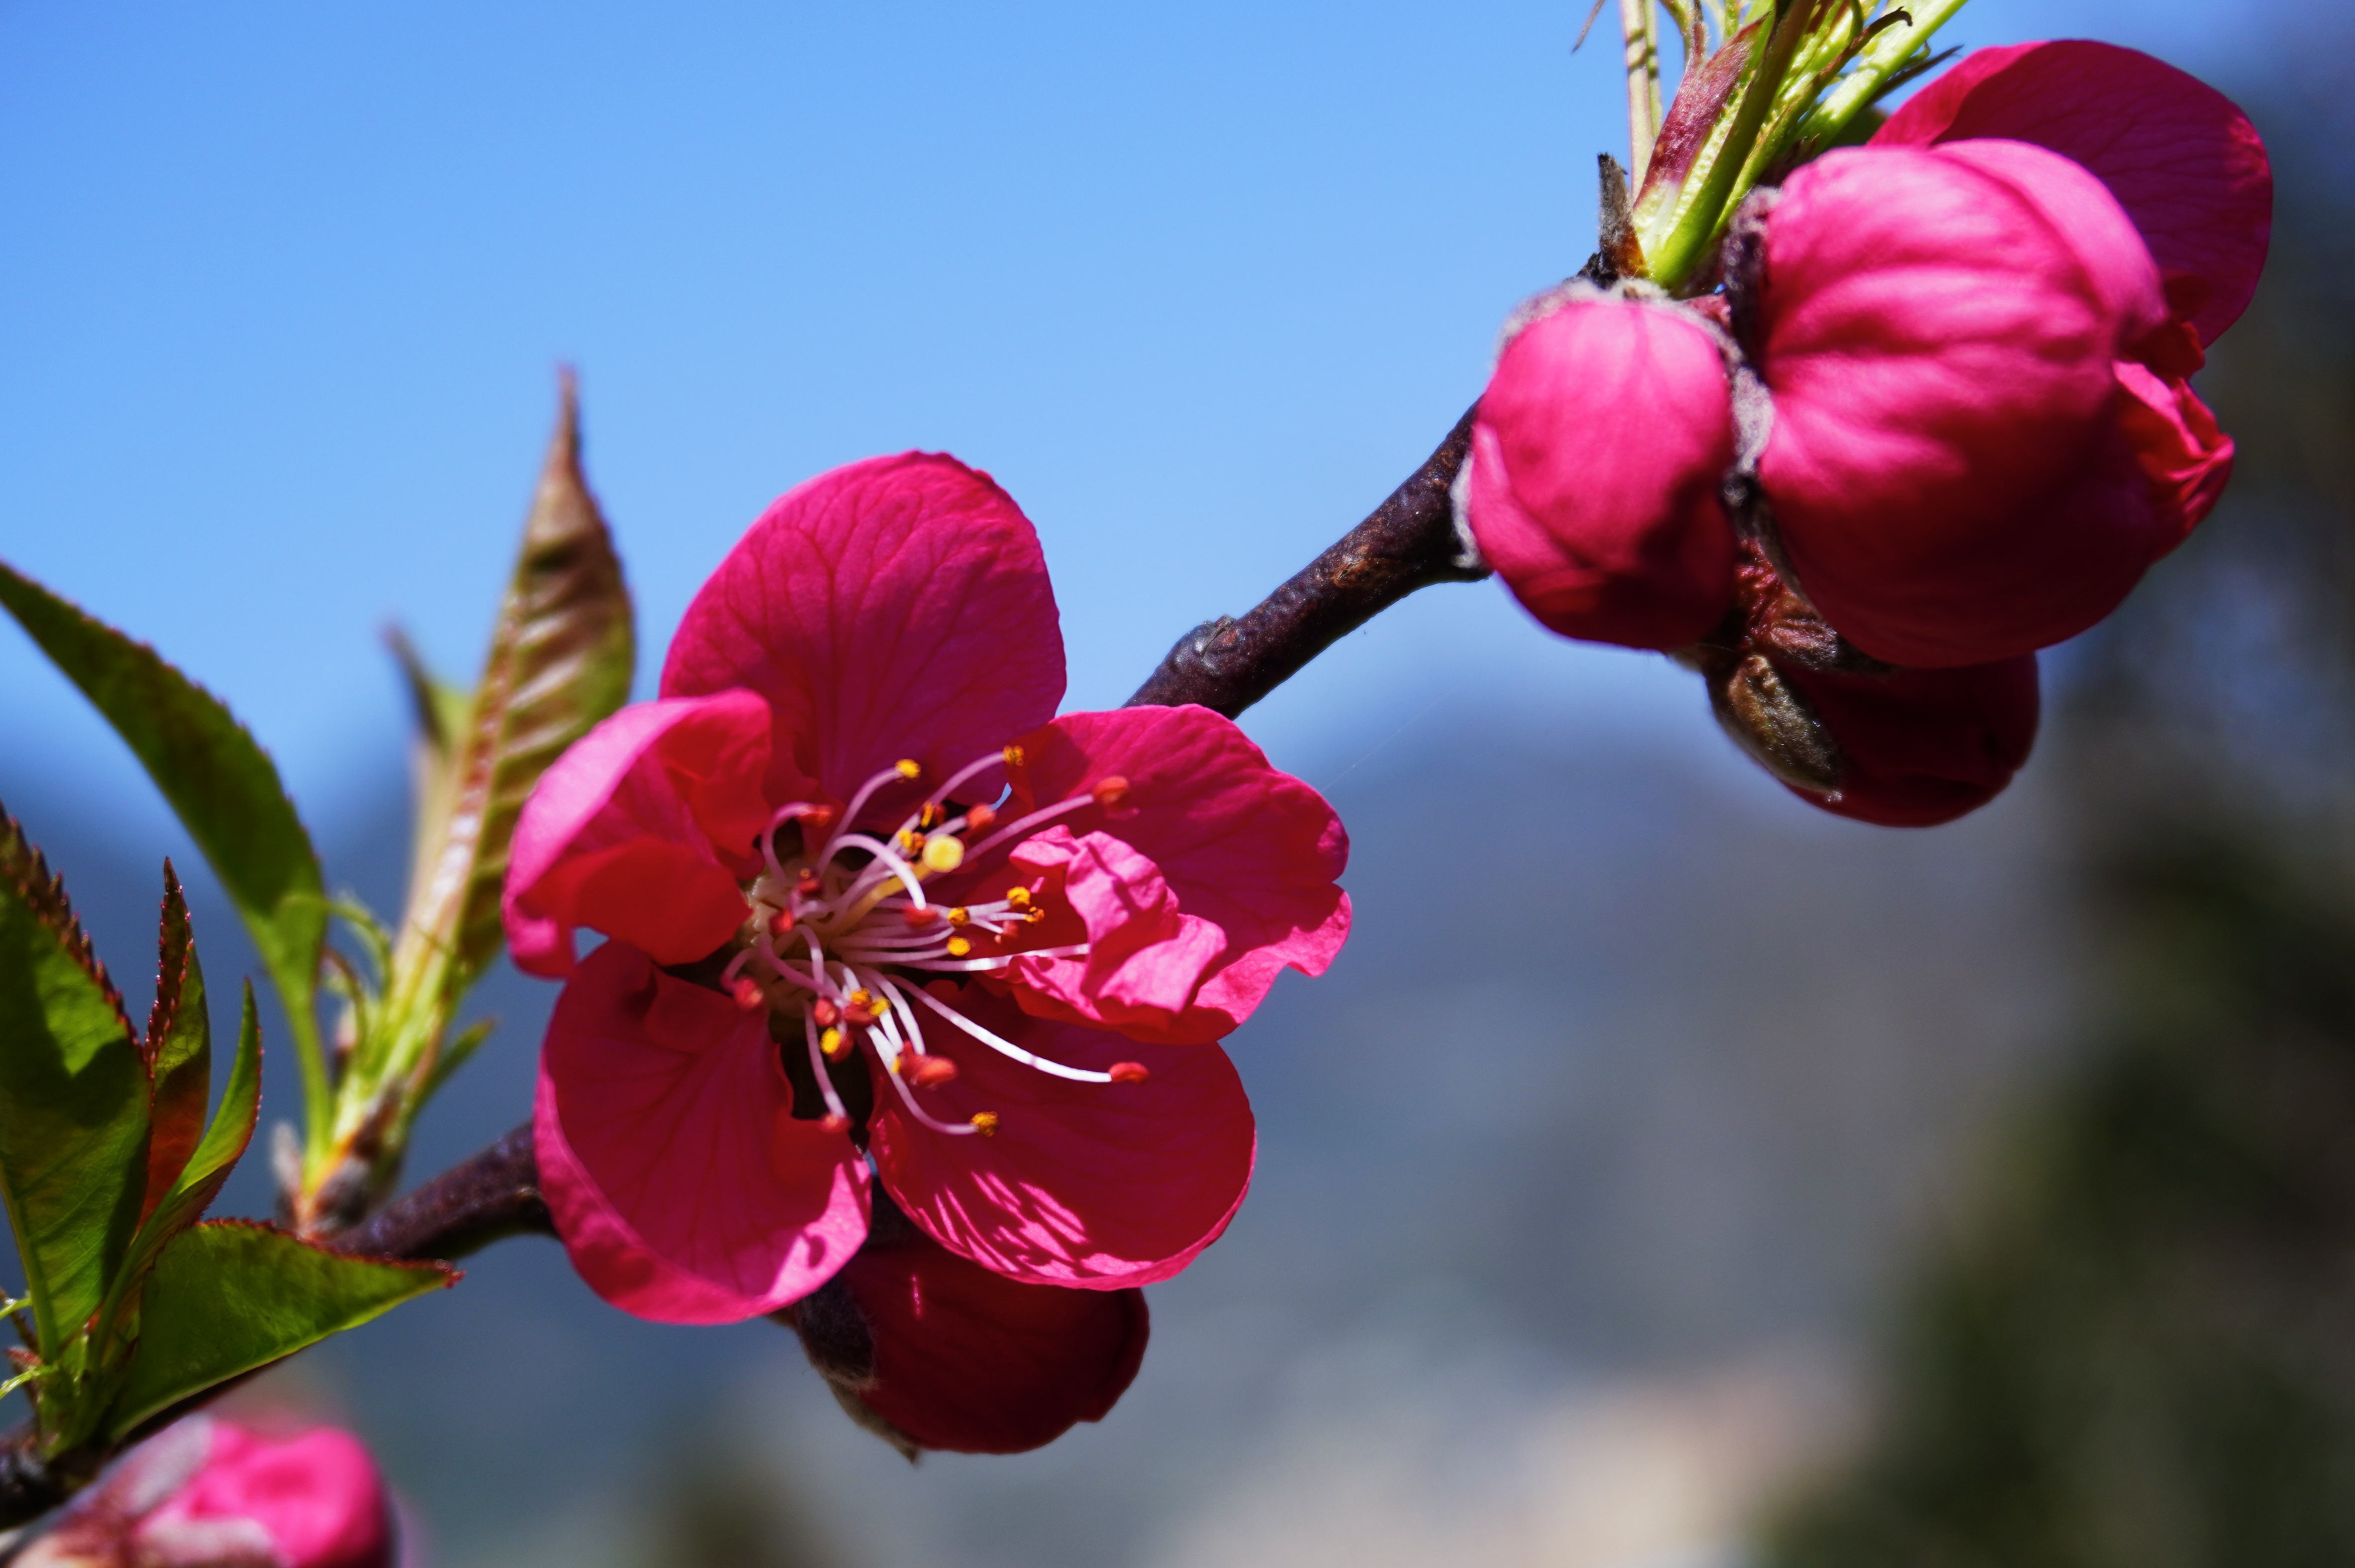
[[1939, 328], [1596, 460], [208, 1494]]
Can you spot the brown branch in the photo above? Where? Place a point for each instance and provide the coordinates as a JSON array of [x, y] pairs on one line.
[[1408, 543], [1225, 665], [485, 1198]]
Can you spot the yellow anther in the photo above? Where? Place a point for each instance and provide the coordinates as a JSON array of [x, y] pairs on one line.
[[959, 915], [944, 853], [910, 842], [910, 768], [959, 947], [833, 1043], [984, 1123], [862, 998], [1018, 897], [930, 816], [1013, 757]]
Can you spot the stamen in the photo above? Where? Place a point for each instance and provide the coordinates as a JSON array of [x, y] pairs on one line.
[[985, 1123], [748, 993], [826, 1014], [960, 915], [979, 818], [909, 768], [992, 760], [834, 1123], [959, 947], [920, 916], [867, 791], [930, 1071], [1038, 818], [834, 1043], [1129, 1072], [1018, 897], [784, 813], [1109, 790], [1008, 1048], [836, 1113]]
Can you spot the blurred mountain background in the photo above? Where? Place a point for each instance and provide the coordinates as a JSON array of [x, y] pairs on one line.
[[1666, 1176]]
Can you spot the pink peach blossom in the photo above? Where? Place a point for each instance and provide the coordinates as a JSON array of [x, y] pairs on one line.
[[927, 923]]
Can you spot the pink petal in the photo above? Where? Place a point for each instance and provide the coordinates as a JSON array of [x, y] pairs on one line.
[[1147, 959], [685, 1189], [316, 1498], [2181, 159], [1924, 746], [1097, 1185], [1940, 355], [972, 1362], [2081, 210], [2186, 458], [641, 830], [894, 608], [1597, 458], [1251, 851]]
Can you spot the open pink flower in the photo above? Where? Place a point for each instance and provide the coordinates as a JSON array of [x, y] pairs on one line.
[[992, 949], [208, 1494], [1977, 331]]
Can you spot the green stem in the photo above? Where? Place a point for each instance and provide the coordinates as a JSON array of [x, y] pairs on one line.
[[1679, 255]]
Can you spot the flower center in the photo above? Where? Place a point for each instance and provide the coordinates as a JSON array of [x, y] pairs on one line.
[[844, 935]]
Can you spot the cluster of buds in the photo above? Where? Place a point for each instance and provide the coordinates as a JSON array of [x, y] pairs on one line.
[[1916, 412]]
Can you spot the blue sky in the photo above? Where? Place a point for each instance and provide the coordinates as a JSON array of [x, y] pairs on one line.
[[1198, 284]]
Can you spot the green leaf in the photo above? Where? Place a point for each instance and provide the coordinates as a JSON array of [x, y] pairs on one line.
[[232, 1296], [198, 1182], [73, 1100], [222, 785], [561, 660], [178, 1049]]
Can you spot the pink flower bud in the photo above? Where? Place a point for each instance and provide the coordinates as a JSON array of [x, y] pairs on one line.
[[936, 1352], [208, 1494], [1939, 328], [1920, 747], [1596, 460]]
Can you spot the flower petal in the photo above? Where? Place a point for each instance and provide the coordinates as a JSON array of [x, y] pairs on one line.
[[684, 1188], [1595, 463], [1941, 359], [640, 831], [894, 608], [2183, 453], [2180, 156], [1099, 1185], [1250, 850], [968, 1360], [1146, 958]]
